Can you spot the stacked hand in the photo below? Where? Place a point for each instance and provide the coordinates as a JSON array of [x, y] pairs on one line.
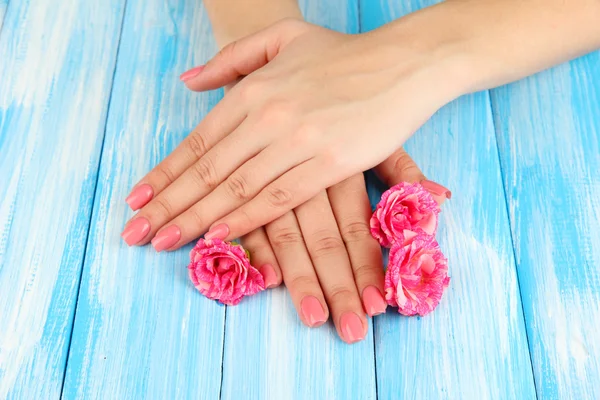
[[301, 120]]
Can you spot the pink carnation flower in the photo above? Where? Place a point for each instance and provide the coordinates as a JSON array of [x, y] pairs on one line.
[[416, 276], [222, 271], [403, 207]]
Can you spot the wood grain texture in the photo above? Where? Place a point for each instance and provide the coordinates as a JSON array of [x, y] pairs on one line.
[[269, 354], [474, 345], [3, 5], [56, 66], [141, 329], [549, 134]]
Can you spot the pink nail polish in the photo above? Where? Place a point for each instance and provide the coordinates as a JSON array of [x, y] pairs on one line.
[[166, 238], [373, 301], [352, 328], [136, 231], [217, 232], [187, 75], [269, 276], [439, 192], [312, 311], [140, 196]]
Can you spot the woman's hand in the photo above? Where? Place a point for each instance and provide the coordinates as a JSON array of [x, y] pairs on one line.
[[316, 108], [326, 255]]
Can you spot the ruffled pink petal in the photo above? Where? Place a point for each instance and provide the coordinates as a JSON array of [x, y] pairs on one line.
[[416, 276], [404, 206], [222, 271]]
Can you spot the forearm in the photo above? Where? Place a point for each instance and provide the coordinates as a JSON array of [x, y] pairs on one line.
[[234, 19], [498, 41]]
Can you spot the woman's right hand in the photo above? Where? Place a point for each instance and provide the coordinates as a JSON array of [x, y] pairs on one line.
[[324, 252], [315, 108]]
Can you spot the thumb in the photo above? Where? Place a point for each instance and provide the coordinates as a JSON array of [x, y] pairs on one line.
[[400, 167], [244, 56]]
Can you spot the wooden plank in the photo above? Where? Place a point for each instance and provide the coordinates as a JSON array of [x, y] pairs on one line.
[[141, 329], [269, 354], [549, 135], [3, 5], [474, 345], [57, 65]]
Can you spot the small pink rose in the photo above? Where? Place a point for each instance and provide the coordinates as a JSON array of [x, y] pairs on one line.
[[416, 276], [402, 207], [222, 271]]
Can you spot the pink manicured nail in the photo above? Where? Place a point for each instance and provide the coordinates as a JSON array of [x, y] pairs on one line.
[[217, 232], [352, 328], [269, 276], [373, 301], [312, 311], [139, 196], [440, 193], [136, 231], [187, 75], [166, 238]]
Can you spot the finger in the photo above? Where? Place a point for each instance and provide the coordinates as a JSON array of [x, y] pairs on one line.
[[242, 57], [350, 204], [262, 256], [330, 259], [286, 192], [178, 204], [223, 119], [297, 269], [197, 182], [400, 167]]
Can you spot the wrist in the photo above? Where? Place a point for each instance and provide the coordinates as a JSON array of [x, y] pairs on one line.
[[233, 19]]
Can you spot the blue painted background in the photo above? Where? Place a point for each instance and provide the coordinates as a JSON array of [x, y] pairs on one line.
[[90, 100]]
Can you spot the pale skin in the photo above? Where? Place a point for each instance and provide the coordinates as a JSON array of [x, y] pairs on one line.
[[310, 113]]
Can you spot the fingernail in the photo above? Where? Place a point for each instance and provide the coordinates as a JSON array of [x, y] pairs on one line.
[[218, 232], [166, 238], [136, 231], [373, 301], [352, 328], [312, 311], [139, 196], [439, 192], [187, 75], [269, 276]]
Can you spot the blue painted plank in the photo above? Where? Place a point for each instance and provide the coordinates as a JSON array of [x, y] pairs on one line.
[[269, 354], [474, 345], [549, 135], [57, 65], [141, 329], [3, 5]]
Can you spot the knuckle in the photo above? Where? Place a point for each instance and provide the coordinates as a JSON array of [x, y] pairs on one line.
[[327, 245], [250, 89], [363, 271], [404, 164], [237, 187], [286, 237], [300, 282], [163, 206], [341, 295], [166, 172], [197, 145], [275, 112], [334, 159], [204, 173], [193, 216], [279, 198], [306, 134], [355, 231]]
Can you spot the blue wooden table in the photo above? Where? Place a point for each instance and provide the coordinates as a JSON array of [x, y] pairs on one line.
[[90, 100]]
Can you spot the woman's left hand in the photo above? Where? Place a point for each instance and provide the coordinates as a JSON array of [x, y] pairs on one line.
[[316, 107]]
